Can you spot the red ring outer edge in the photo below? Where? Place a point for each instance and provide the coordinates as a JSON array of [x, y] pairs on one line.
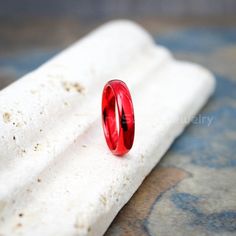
[[116, 91]]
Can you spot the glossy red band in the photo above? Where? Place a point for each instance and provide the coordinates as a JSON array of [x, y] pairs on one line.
[[118, 117]]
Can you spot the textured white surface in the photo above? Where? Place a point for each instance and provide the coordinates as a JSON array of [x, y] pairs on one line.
[[55, 167]]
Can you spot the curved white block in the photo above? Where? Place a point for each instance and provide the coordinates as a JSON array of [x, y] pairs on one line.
[[57, 176]]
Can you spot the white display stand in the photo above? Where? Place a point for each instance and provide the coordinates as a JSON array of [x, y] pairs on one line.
[[57, 175]]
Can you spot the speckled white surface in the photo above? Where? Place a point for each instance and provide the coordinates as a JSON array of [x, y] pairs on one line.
[[57, 176]]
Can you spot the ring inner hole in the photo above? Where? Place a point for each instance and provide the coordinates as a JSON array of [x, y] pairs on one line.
[[112, 119]]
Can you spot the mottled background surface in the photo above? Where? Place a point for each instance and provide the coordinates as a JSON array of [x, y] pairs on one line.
[[193, 189]]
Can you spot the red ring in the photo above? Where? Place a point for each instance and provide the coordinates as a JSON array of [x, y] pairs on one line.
[[116, 94]]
